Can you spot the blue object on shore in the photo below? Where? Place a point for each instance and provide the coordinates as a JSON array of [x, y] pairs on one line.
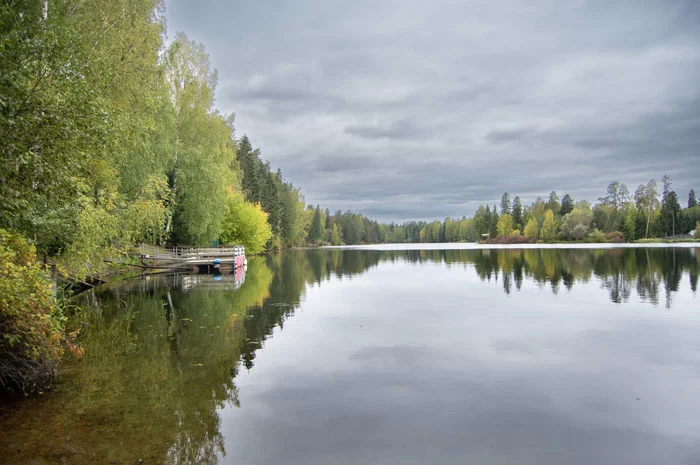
[[217, 261]]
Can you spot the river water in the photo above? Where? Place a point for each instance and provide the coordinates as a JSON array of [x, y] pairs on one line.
[[383, 356]]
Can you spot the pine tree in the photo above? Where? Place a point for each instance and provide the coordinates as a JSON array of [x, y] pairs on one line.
[[692, 201]]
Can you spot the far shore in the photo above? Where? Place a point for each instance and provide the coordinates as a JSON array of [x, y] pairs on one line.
[[478, 246]]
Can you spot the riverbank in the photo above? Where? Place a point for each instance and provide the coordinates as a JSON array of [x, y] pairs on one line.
[[477, 246]]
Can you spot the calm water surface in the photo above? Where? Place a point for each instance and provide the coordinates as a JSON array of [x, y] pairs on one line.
[[344, 356]]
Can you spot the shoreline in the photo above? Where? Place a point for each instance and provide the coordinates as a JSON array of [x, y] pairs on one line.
[[478, 246]]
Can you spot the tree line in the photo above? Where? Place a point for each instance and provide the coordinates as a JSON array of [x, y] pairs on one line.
[[617, 216]]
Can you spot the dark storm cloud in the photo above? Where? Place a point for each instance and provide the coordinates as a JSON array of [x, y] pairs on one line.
[[414, 110]]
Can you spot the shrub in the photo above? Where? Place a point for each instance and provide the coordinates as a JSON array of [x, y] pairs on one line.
[[577, 223], [31, 324], [697, 230], [579, 232], [597, 236], [513, 240], [616, 237]]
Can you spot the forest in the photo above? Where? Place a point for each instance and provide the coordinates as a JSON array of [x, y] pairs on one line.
[[651, 213], [111, 138]]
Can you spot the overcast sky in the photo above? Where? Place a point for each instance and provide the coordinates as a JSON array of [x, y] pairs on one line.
[[421, 110]]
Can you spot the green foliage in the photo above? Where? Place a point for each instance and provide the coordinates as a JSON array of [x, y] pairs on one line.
[[493, 230], [505, 225], [616, 197], [553, 203], [200, 167], [549, 227], [31, 325], [283, 203], [531, 229], [577, 224], [518, 213], [670, 210], [567, 204], [505, 204], [352, 227], [597, 236], [335, 235], [246, 224], [629, 229], [316, 230]]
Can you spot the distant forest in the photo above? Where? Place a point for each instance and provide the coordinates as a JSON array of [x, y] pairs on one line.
[[649, 213]]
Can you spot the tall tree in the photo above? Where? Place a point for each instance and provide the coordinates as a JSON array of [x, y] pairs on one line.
[[553, 203], [692, 201], [200, 166], [617, 196], [505, 225], [335, 235], [316, 230], [549, 227], [670, 214], [505, 204], [567, 204], [649, 201], [531, 229], [518, 213], [493, 230]]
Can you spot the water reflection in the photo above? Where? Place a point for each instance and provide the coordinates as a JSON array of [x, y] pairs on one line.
[[654, 273], [163, 353]]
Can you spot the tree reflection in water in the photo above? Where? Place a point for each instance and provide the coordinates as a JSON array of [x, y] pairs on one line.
[[162, 354]]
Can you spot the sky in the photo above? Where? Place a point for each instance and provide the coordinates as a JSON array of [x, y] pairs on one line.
[[406, 110]]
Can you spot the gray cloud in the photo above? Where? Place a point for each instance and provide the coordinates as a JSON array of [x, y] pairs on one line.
[[403, 130], [508, 135], [407, 110]]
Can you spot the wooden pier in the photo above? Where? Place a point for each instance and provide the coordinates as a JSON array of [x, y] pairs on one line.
[[208, 259]]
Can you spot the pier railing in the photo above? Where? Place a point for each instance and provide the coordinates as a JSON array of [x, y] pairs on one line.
[[152, 252]]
